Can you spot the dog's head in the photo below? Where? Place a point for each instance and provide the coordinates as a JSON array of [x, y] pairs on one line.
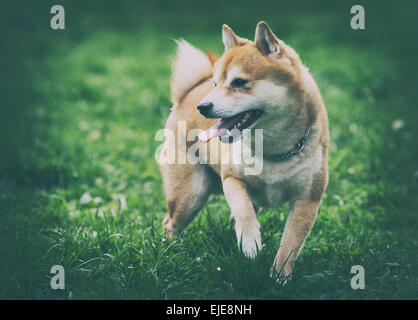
[[253, 81]]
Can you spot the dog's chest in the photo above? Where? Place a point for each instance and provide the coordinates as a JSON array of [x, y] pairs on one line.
[[280, 182], [271, 192], [269, 195]]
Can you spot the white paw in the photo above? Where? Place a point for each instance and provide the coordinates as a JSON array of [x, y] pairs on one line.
[[249, 238]]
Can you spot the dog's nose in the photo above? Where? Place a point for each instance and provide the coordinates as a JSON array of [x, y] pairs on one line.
[[205, 108]]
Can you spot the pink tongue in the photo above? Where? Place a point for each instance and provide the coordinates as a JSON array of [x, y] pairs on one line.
[[212, 132], [218, 128]]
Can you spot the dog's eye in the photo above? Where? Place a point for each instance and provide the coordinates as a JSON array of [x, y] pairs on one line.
[[238, 83]]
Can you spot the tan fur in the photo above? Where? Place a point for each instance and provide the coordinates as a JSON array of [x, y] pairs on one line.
[[268, 63]]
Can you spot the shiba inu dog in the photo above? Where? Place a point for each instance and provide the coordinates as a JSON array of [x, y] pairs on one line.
[[260, 84]]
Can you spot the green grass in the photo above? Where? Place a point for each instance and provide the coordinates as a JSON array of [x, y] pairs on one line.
[[79, 185]]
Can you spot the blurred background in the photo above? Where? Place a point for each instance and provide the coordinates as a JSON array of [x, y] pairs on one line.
[[79, 185]]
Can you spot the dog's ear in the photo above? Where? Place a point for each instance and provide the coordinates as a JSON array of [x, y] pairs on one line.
[[229, 38], [266, 41]]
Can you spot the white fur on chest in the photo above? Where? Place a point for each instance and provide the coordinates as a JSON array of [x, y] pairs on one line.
[[281, 180]]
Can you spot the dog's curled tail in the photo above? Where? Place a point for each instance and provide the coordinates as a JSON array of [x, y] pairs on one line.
[[189, 67]]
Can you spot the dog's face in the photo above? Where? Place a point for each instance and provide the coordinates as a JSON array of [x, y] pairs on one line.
[[253, 82]]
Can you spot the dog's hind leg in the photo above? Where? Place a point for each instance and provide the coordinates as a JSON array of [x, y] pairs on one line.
[[187, 188], [301, 217]]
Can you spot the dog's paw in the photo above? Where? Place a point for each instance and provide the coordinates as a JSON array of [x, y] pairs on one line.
[[282, 267], [251, 247], [168, 227], [280, 277], [249, 238]]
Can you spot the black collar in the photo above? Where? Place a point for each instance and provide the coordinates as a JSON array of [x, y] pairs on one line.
[[297, 148]]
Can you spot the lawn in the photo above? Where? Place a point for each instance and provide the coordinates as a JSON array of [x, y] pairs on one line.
[[79, 185]]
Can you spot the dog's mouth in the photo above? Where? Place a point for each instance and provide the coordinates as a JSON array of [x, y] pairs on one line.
[[232, 126]]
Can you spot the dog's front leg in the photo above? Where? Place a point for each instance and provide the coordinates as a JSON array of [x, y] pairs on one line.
[[247, 227], [301, 217]]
